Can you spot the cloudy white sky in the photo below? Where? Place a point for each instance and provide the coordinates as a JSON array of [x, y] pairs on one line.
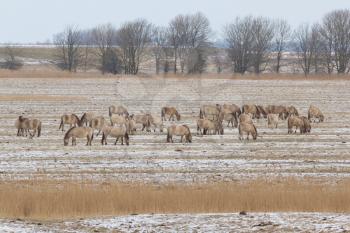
[[37, 20]]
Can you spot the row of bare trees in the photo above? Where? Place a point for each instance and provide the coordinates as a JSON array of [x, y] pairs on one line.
[[252, 44]]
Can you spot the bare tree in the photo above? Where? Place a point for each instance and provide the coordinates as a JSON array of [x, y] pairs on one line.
[[68, 45], [159, 45], [336, 32], [308, 47], [133, 37], [104, 37], [239, 39], [11, 61], [189, 35], [87, 42], [282, 34], [263, 33]]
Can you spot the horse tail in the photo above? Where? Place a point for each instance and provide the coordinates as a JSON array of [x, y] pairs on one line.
[[168, 135], [39, 129], [201, 114], [162, 113]]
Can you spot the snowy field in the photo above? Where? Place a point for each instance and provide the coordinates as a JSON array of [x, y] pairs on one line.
[[323, 154], [252, 222]]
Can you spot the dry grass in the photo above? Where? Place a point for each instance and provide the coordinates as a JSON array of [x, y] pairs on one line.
[[46, 200]]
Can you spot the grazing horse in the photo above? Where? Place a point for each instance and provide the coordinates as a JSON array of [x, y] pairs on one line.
[[86, 118], [209, 126], [247, 128], [171, 112], [72, 120], [272, 120], [229, 116], [262, 111], [296, 122], [119, 110], [278, 109], [315, 113], [24, 125], [156, 123], [144, 120], [79, 132], [97, 123], [210, 112], [252, 109], [307, 125], [234, 109], [179, 130], [115, 132]]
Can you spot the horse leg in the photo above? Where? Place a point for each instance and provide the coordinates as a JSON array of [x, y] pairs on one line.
[[182, 138], [122, 139]]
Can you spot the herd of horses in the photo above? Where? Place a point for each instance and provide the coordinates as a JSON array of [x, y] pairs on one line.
[[211, 120]]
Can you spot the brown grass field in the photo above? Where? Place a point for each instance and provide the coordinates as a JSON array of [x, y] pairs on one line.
[[49, 200]]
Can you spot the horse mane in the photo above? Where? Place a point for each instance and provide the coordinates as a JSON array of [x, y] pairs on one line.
[[68, 132], [77, 118], [83, 116]]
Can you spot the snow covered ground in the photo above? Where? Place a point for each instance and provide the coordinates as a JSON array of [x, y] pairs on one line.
[[252, 222]]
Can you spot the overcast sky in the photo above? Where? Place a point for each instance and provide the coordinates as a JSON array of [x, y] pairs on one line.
[[37, 20]]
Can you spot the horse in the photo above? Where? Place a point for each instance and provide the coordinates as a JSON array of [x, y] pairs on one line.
[[131, 126], [229, 116], [278, 109], [72, 120], [315, 113], [97, 123], [262, 111], [25, 125], [272, 120], [208, 125], [118, 120], [156, 123], [210, 112], [307, 125], [171, 112], [20, 126], [252, 109], [86, 118], [247, 128], [116, 132], [179, 130], [296, 122], [79, 132], [292, 111], [234, 109], [119, 110], [144, 120]]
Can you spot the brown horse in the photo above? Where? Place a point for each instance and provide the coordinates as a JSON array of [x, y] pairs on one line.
[[171, 112], [118, 120], [296, 122], [262, 111], [292, 111], [315, 113], [115, 132], [97, 123], [252, 109], [144, 120], [72, 120], [233, 109], [209, 126], [86, 118], [179, 130], [24, 125], [79, 132], [210, 112], [156, 123], [230, 115], [247, 128], [307, 125], [119, 110], [278, 109]]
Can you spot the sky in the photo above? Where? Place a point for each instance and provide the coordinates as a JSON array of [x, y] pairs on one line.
[[30, 21]]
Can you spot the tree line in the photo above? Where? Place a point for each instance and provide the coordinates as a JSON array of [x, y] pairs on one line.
[[251, 44]]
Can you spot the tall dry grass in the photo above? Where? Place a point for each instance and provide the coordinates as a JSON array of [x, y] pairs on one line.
[[46, 200]]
